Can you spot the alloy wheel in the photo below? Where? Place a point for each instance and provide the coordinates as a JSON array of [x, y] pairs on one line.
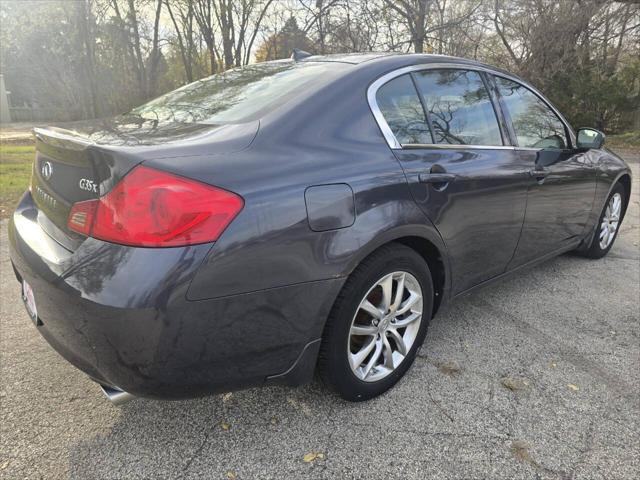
[[610, 221], [385, 326]]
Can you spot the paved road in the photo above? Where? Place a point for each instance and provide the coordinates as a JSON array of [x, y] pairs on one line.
[[537, 377]]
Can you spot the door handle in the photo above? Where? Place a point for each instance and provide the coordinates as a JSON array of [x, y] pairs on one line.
[[436, 177], [539, 172]]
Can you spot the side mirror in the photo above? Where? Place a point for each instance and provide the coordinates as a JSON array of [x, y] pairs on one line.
[[590, 138]]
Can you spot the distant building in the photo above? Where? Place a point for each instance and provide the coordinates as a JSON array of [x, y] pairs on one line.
[[5, 115]]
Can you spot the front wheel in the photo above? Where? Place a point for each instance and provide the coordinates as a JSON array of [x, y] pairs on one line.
[[377, 323], [608, 224]]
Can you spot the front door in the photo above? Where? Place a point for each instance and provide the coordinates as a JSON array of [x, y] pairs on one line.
[[563, 180], [470, 184]]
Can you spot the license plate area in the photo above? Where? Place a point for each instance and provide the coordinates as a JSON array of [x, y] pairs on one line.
[[29, 300]]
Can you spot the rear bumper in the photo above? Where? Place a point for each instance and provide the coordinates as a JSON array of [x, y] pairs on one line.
[[120, 314]]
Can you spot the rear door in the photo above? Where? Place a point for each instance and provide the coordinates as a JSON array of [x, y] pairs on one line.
[[563, 180], [462, 172]]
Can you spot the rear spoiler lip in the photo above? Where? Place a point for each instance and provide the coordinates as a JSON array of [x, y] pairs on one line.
[[223, 139], [57, 138]]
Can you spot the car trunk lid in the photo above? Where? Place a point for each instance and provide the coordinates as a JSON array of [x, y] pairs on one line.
[[72, 166], [67, 169]]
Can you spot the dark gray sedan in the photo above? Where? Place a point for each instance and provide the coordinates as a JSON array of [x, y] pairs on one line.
[[308, 214]]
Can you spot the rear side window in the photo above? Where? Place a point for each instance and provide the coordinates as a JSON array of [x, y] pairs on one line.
[[459, 107], [401, 108], [535, 124]]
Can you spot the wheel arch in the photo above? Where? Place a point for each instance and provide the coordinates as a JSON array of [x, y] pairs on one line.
[[428, 244], [625, 180], [434, 260]]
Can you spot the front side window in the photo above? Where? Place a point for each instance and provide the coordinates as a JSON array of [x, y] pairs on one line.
[[459, 107], [535, 124], [401, 108]]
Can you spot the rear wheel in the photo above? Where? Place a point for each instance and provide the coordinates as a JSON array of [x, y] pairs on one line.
[[377, 323], [608, 224]]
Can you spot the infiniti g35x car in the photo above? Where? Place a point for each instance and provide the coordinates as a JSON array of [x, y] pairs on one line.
[[308, 214]]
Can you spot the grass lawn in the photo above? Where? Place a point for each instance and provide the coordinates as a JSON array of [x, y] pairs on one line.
[[629, 140], [15, 174]]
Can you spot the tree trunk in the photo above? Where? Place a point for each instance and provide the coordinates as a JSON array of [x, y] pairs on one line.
[[91, 107], [142, 74], [186, 59], [154, 58]]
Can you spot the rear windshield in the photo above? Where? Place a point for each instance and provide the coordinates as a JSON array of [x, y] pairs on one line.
[[237, 95]]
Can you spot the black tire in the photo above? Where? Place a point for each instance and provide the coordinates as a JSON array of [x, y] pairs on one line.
[[333, 363], [594, 250]]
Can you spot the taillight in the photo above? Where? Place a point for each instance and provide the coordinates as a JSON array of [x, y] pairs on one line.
[[151, 208]]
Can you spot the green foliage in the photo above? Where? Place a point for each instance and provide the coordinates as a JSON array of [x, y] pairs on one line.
[[588, 98], [38, 54]]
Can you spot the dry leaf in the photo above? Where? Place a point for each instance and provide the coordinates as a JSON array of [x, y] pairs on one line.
[[226, 397], [225, 426], [4, 465], [573, 387], [274, 421], [312, 456], [231, 475], [515, 384], [520, 450], [450, 368], [554, 364]]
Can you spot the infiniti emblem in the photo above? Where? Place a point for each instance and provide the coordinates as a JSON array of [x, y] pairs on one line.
[[46, 170]]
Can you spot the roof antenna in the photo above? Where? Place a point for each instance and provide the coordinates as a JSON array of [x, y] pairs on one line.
[[298, 54]]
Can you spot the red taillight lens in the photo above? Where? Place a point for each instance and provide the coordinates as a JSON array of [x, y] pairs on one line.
[[151, 208], [81, 216]]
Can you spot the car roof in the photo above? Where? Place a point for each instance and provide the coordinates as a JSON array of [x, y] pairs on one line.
[[353, 58], [393, 60]]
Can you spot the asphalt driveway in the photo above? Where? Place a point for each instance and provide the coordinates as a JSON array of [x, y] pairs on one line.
[[535, 377]]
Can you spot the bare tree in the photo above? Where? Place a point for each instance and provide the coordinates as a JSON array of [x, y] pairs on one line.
[[86, 27], [182, 20], [154, 56], [203, 11], [426, 17], [108, 55]]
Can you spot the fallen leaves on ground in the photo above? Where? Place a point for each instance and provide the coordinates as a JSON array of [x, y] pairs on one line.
[[225, 426], [300, 405], [515, 384], [313, 456], [573, 387], [520, 450], [231, 475], [449, 368]]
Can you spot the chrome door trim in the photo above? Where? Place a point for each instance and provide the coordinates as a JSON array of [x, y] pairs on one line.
[[391, 139], [414, 146]]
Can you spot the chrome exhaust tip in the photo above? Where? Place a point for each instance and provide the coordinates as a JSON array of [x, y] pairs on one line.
[[116, 396]]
